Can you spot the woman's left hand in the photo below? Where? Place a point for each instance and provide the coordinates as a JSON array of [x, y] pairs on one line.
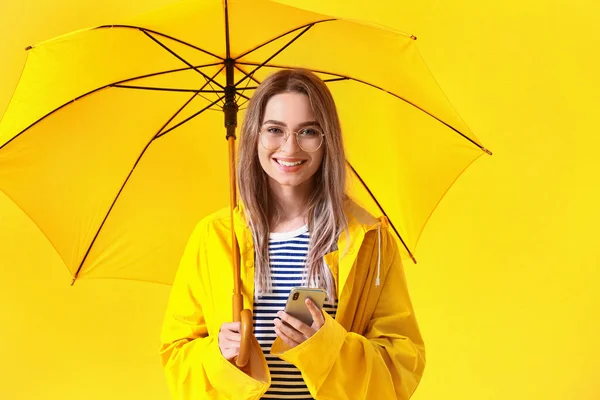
[[297, 331]]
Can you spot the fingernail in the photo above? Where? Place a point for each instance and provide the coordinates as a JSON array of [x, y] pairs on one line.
[[280, 313]]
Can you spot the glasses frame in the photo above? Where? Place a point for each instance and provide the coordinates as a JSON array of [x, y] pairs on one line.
[[287, 135]]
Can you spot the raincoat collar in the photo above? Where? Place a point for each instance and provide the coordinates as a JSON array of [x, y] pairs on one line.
[[359, 220], [340, 261]]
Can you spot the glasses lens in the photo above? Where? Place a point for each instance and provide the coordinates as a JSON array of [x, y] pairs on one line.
[[309, 139], [272, 138]]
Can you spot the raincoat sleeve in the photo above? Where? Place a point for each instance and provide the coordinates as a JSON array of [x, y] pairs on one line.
[[193, 363], [386, 362]]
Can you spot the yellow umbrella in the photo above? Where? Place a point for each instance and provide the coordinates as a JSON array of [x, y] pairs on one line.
[[112, 143]]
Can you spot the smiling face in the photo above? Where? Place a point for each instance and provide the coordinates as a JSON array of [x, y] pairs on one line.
[[289, 165]]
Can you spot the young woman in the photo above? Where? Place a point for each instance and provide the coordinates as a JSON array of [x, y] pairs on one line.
[[295, 227]]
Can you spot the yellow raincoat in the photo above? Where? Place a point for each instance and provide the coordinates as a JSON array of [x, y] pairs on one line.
[[372, 350]]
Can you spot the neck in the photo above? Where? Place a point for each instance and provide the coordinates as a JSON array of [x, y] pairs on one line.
[[292, 201]]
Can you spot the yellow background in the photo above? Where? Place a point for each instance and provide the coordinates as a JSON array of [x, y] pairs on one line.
[[507, 284]]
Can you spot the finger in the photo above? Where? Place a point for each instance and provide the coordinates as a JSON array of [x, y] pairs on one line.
[[317, 314], [232, 336], [231, 352], [290, 332], [228, 348], [295, 323], [224, 343], [229, 338], [286, 339], [231, 326]]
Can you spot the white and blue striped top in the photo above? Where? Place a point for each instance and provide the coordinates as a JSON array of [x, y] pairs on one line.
[[287, 254]]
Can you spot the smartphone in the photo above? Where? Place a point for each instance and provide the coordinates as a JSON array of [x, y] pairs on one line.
[[296, 307]]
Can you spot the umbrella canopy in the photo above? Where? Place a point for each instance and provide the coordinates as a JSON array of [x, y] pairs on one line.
[[113, 142]]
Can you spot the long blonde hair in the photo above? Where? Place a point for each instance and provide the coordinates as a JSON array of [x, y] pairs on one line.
[[326, 218]]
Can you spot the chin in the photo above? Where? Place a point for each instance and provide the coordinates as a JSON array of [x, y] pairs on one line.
[[296, 181], [289, 182]]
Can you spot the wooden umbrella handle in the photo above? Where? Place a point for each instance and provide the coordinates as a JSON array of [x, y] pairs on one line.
[[246, 331], [243, 316]]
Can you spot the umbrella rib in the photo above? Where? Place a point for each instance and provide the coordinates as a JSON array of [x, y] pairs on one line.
[[96, 90], [241, 92], [187, 103], [189, 118], [382, 210], [181, 59], [243, 95], [336, 79], [383, 90], [168, 72], [247, 75], [282, 35], [165, 72], [298, 36], [213, 77], [166, 89], [279, 66], [324, 80], [121, 190], [52, 112], [175, 115], [139, 28]]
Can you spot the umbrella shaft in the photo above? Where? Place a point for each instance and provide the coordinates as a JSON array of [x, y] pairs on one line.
[[230, 108], [235, 250]]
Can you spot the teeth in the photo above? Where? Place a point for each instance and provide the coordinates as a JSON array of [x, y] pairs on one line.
[[289, 164]]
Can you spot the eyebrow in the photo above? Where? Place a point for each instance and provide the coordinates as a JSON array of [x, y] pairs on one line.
[[301, 125]]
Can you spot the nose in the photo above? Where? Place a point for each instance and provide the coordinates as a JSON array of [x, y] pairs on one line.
[[290, 146]]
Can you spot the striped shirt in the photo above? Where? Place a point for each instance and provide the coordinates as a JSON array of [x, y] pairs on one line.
[[287, 254]]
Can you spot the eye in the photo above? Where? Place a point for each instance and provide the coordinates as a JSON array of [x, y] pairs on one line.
[[310, 132], [273, 130]]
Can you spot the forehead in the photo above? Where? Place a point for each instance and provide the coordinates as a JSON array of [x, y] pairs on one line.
[[290, 108]]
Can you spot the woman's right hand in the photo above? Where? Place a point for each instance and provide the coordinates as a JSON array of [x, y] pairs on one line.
[[229, 339]]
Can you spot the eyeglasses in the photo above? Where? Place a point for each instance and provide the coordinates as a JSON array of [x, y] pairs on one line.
[[309, 139]]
